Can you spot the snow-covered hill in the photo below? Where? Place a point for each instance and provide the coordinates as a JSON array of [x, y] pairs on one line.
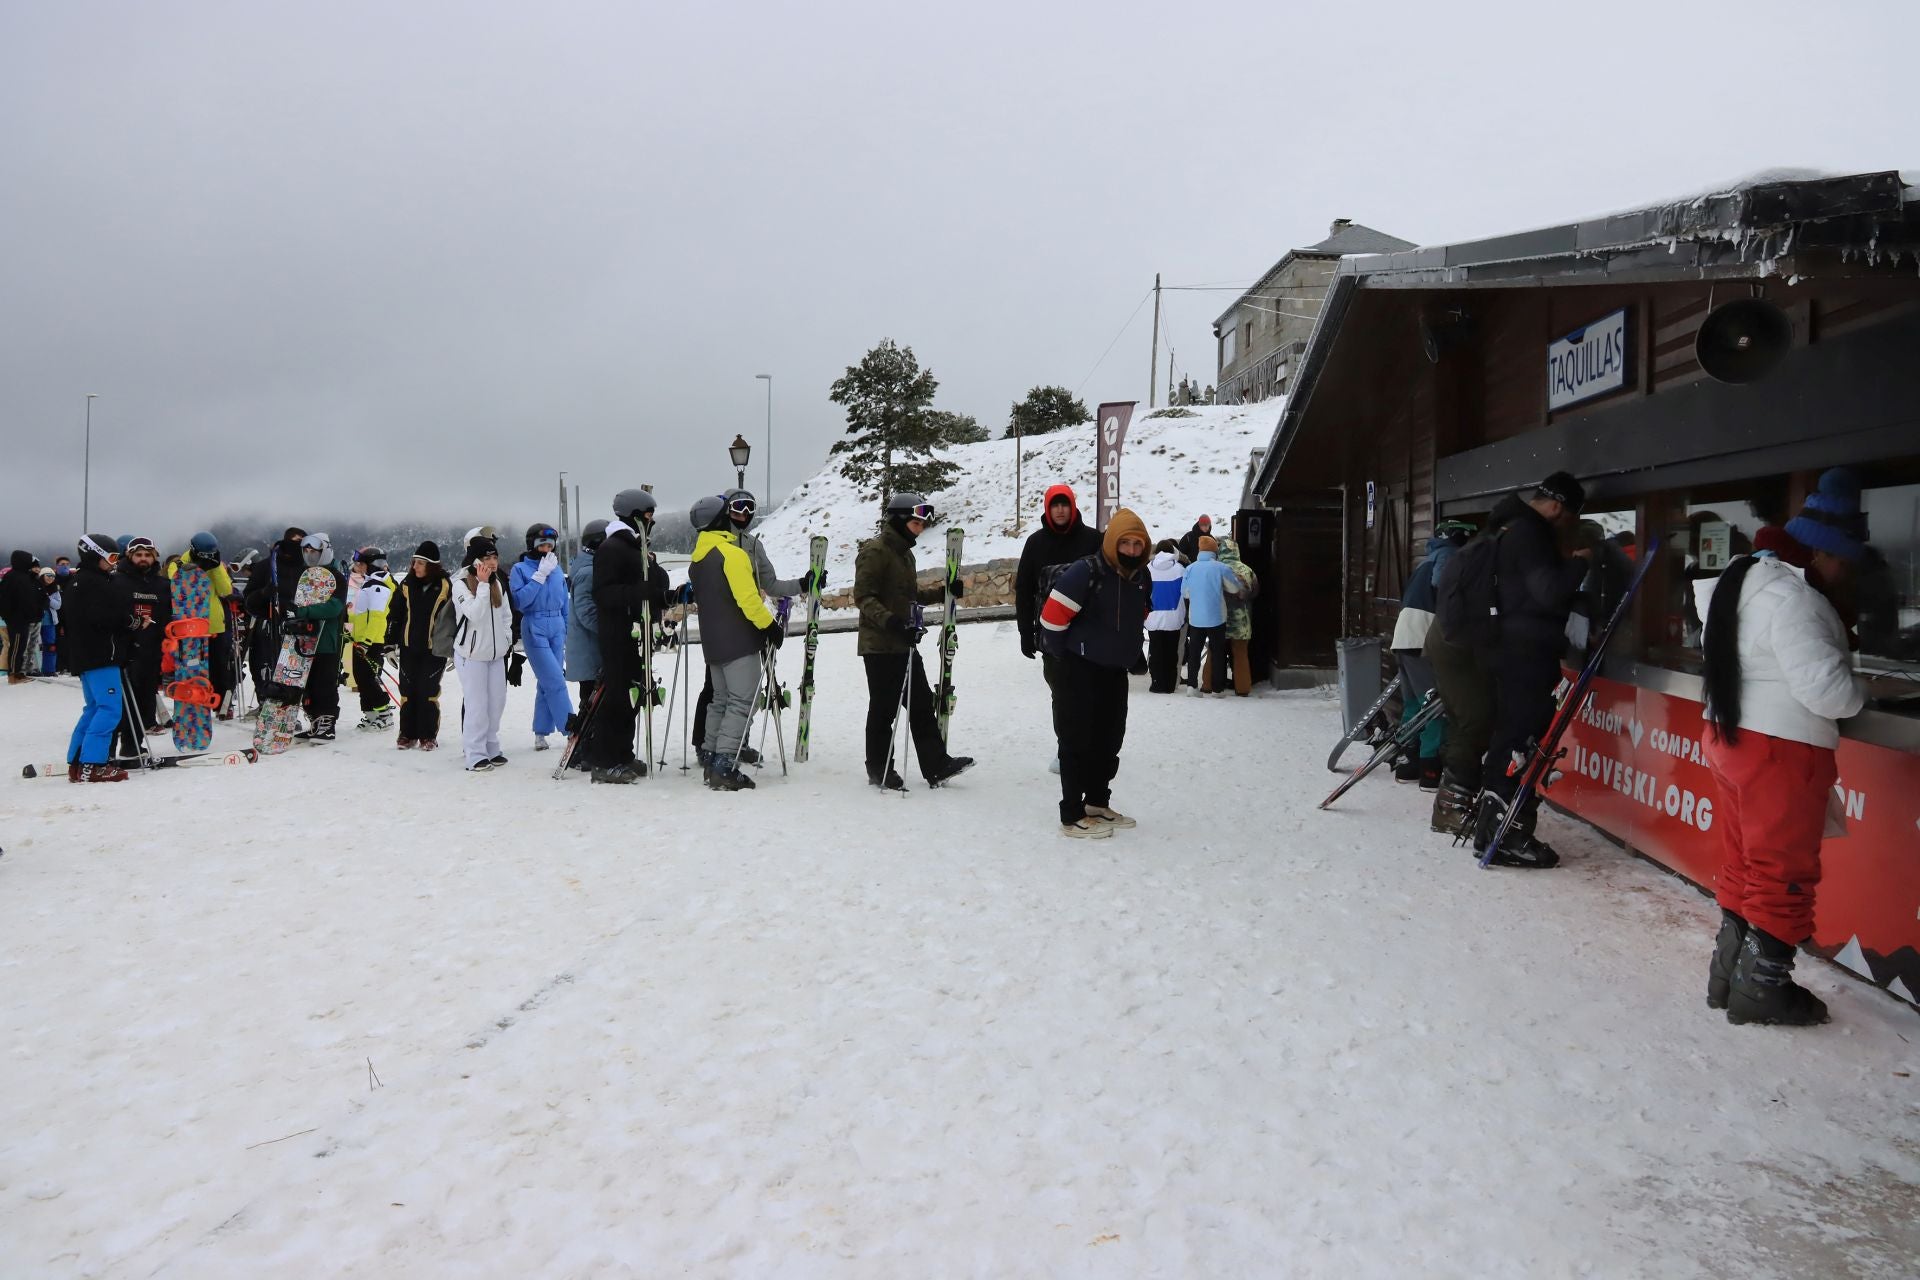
[[1173, 469]]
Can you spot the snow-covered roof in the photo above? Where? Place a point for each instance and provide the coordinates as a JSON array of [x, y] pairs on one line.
[[1345, 239]]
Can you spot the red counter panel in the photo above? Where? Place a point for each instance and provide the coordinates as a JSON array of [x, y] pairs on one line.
[[1635, 769]]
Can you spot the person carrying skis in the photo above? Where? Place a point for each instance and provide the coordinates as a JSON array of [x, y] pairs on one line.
[[885, 589], [369, 612], [1169, 614], [151, 593], [1205, 588], [741, 509], [483, 638], [1534, 589], [101, 621], [322, 695], [420, 620], [583, 616], [1778, 676], [1093, 619], [736, 628], [1410, 628], [540, 596], [625, 586]]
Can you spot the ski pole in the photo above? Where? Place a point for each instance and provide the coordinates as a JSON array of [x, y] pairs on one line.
[[673, 693]]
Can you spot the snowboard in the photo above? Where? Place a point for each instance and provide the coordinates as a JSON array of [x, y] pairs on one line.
[[192, 689], [280, 705]]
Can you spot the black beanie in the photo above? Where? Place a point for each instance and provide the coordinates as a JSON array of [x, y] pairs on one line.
[[428, 551], [479, 547], [1564, 489]]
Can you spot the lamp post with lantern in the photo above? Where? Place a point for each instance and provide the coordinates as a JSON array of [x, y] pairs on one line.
[[740, 451]]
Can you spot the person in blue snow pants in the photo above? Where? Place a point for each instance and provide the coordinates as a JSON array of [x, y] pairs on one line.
[[92, 741], [540, 594]]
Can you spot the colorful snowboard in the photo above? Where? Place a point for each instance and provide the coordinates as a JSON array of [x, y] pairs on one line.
[[192, 717], [280, 703]]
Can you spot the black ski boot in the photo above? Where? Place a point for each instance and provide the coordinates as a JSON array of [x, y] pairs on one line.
[[1726, 953], [1763, 990], [1408, 770], [724, 775], [1453, 806], [953, 768], [747, 755], [619, 774], [892, 782], [1519, 848]]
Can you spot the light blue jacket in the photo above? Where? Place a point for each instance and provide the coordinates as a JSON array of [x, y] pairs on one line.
[[583, 624], [1204, 589]]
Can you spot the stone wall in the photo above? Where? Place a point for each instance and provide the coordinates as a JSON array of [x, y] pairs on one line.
[[987, 584]]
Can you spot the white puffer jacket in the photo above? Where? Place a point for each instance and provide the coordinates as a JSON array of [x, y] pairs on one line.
[[484, 631], [1796, 678]]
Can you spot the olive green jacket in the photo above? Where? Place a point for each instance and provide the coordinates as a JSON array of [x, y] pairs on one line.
[[885, 587]]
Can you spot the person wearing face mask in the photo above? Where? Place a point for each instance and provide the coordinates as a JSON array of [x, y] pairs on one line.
[[1778, 678], [885, 589], [322, 695], [1093, 621], [540, 596], [151, 594]]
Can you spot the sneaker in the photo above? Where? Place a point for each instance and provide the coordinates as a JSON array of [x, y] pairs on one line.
[[1109, 817], [1086, 829], [405, 744], [540, 742], [429, 744], [953, 768], [480, 766], [497, 761]]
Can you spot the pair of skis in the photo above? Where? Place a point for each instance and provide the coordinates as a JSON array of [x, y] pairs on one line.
[[817, 569]]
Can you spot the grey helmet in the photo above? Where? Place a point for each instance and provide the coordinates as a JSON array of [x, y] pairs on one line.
[[709, 512], [316, 549], [593, 535], [630, 505]]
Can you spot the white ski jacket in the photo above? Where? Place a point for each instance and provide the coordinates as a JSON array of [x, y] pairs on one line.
[[484, 631], [1796, 678], [1169, 610]]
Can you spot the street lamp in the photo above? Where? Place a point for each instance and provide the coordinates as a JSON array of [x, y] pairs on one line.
[[86, 467], [767, 497], [739, 451]]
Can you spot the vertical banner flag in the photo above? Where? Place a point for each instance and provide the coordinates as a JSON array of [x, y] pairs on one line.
[[1111, 437]]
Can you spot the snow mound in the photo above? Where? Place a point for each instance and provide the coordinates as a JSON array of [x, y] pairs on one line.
[[1173, 469]]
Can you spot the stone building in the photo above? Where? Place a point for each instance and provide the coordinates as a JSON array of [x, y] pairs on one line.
[[1258, 340]]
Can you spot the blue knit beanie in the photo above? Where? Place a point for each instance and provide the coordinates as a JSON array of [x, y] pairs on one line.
[[1831, 521]]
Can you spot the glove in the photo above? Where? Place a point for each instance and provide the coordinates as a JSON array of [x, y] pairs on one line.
[[548, 563], [905, 629], [685, 594], [300, 627], [957, 586], [516, 666], [1027, 648], [813, 580], [773, 634]]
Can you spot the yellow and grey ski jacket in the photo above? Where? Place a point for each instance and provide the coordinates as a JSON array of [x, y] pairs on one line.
[[367, 621], [732, 613]]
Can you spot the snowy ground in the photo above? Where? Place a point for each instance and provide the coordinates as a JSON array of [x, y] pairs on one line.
[[815, 1031]]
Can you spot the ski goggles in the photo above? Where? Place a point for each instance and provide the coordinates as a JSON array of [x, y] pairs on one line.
[[742, 506], [545, 538], [135, 545], [923, 512], [108, 554]]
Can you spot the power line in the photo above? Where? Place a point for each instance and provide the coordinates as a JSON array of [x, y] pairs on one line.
[[1110, 346]]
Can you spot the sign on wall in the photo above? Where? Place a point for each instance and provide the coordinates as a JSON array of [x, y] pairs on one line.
[[1588, 362], [1109, 440]]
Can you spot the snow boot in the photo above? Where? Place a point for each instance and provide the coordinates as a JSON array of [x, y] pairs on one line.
[[1086, 829], [540, 742], [321, 730], [405, 744], [726, 776], [73, 770], [378, 719], [1109, 817], [1763, 990], [1726, 954], [747, 755], [1429, 774], [1453, 806], [1408, 770], [953, 768], [618, 775], [892, 782], [101, 773]]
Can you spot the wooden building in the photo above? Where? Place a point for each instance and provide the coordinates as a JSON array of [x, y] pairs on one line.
[[1440, 378]]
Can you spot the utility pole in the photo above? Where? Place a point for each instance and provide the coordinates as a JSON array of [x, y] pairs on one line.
[[86, 467], [566, 547], [1153, 375]]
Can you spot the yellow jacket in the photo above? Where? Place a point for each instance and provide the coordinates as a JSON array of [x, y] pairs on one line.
[[732, 613]]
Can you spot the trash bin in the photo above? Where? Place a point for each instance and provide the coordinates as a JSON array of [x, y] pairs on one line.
[[1359, 664]]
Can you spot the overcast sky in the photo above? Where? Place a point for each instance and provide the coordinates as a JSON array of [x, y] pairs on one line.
[[409, 260]]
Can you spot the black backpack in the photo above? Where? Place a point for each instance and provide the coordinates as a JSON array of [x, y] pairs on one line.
[[1468, 593]]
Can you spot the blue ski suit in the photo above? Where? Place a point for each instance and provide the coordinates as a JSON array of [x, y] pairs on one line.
[[543, 634]]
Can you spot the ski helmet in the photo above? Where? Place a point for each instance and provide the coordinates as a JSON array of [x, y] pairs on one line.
[[709, 512], [120, 543], [593, 535], [97, 548], [372, 557], [539, 533], [316, 548], [630, 506], [203, 549], [902, 507], [740, 502]]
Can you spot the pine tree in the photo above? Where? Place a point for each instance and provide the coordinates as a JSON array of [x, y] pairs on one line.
[[889, 443], [1045, 410], [950, 428]]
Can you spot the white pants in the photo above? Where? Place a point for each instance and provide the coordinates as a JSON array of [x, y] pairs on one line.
[[483, 697]]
